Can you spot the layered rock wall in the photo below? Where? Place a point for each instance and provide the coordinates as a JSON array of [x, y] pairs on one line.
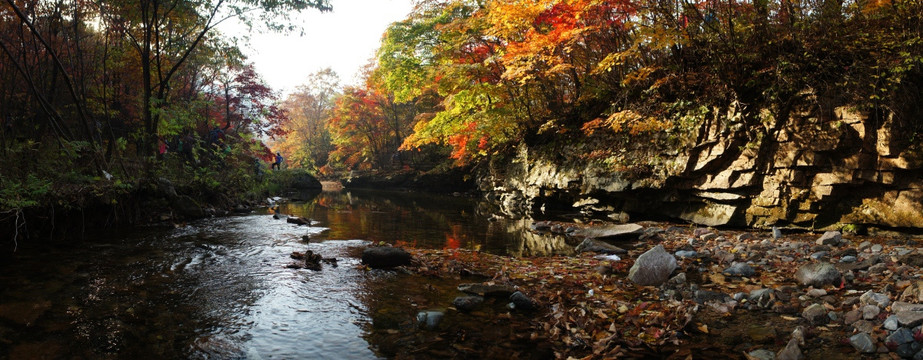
[[802, 167]]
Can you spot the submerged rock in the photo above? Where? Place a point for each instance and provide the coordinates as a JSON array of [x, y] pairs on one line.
[[297, 220], [385, 257], [429, 319], [467, 303], [653, 267]]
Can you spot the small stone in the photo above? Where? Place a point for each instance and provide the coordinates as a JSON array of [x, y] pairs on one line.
[[708, 237], [686, 253], [467, 303], [830, 238], [872, 298], [891, 323], [848, 259], [865, 245], [739, 269], [877, 248], [870, 312], [863, 343], [820, 255], [816, 314]]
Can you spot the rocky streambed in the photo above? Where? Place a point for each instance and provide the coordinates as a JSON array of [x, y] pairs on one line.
[[654, 290]]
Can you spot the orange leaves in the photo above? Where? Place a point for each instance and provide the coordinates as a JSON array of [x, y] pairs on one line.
[[628, 120]]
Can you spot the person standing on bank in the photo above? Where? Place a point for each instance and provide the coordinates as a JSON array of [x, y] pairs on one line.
[[278, 164]]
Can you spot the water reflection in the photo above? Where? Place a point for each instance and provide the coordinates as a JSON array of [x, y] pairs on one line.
[[425, 220], [219, 288]]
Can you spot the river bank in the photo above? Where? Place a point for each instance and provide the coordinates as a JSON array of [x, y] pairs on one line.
[[731, 294]]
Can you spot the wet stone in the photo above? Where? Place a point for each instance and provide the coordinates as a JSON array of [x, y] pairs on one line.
[[429, 319], [522, 302], [384, 257]]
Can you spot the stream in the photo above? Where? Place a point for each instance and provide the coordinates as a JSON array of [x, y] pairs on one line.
[[220, 288]]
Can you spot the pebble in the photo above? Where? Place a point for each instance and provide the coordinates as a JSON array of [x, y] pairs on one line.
[[848, 259], [817, 292], [686, 253], [872, 298], [891, 323], [820, 255], [740, 269], [876, 248], [870, 312]]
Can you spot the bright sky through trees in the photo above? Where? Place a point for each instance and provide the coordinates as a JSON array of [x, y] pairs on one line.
[[344, 40]]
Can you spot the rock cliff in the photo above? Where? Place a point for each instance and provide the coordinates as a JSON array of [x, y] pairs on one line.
[[802, 167]]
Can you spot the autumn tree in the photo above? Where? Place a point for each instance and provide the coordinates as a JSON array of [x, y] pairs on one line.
[[307, 143]]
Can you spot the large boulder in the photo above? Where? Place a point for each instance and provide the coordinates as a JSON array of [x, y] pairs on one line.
[[188, 208], [385, 257], [818, 274], [304, 181], [653, 267]]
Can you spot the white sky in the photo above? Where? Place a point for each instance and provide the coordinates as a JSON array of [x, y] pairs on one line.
[[343, 39]]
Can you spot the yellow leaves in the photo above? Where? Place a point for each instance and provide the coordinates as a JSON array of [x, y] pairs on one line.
[[639, 75]]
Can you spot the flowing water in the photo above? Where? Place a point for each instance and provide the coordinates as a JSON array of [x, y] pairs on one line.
[[220, 288]]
